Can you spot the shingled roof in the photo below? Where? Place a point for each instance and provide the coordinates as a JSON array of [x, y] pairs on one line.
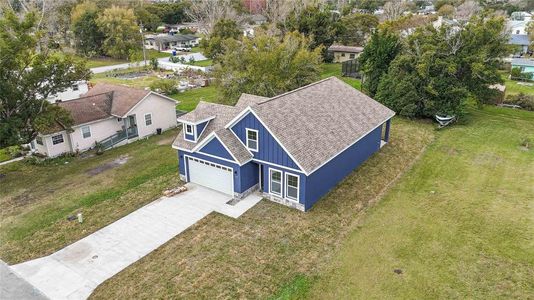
[[90, 108], [124, 98], [314, 123]]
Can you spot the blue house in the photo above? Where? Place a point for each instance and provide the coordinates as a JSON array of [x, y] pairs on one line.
[[293, 148]]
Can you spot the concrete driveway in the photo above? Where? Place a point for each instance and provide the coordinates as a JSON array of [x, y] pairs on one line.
[[76, 270]]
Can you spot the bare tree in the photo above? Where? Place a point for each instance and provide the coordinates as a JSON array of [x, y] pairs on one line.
[[207, 12], [394, 9], [466, 10]]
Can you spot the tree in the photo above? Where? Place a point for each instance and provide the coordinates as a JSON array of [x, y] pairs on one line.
[[356, 28], [266, 66], [121, 31], [169, 13], [223, 30], [446, 10], [382, 48], [149, 20], [439, 69], [466, 10], [315, 23], [393, 9], [208, 12], [28, 75], [88, 37]]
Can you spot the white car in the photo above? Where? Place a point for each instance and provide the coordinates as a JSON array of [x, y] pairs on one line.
[[182, 49]]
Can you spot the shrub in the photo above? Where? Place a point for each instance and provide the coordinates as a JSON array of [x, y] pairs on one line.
[[14, 151], [164, 86], [523, 100], [526, 142]]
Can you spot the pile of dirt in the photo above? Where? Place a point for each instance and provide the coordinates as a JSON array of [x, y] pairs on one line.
[[109, 165]]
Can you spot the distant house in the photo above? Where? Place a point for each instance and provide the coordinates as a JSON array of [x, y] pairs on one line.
[[110, 114], [75, 91], [343, 53], [163, 42], [293, 148], [517, 27], [524, 64], [521, 41]]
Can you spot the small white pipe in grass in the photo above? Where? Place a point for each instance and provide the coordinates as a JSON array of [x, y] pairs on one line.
[[80, 218]]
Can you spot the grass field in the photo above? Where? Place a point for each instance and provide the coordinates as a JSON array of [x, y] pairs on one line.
[[459, 225], [36, 200], [201, 63], [4, 155], [108, 61]]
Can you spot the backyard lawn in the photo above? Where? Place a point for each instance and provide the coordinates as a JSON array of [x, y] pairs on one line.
[[35, 200], [459, 225]]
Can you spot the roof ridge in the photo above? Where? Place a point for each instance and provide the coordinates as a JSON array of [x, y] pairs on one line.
[[296, 90], [83, 98]]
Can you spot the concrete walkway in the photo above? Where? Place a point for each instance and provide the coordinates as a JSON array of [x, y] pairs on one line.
[[14, 287], [76, 270]]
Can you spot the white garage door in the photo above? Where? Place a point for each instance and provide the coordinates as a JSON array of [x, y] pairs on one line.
[[211, 175]]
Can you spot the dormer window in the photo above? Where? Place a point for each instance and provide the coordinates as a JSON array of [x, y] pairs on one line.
[[188, 129], [252, 139]]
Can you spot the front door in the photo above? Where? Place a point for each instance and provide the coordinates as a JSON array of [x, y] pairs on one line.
[[130, 121]]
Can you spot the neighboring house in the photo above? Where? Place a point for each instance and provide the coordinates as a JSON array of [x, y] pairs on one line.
[[162, 42], [75, 91], [517, 27], [524, 64], [343, 53], [521, 41], [111, 114], [521, 16], [294, 147]]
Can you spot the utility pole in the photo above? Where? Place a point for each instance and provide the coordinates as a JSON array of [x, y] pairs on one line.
[[142, 41]]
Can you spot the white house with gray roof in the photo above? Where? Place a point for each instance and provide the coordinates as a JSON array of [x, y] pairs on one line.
[[293, 148]]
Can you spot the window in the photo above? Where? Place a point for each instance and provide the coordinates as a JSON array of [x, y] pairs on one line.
[[342, 54], [292, 187], [57, 139], [352, 55], [86, 132], [75, 87], [275, 182], [188, 129], [39, 140], [252, 139], [148, 119], [517, 31]]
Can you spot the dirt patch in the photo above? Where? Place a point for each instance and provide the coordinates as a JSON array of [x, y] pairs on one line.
[[166, 141], [109, 165]]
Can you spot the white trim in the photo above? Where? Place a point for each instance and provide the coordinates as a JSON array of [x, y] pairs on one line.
[[358, 139], [184, 130], [232, 131], [277, 165], [151, 122], [90, 133], [204, 142], [187, 131], [243, 114], [55, 135], [298, 187], [208, 139], [186, 169], [197, 122], [257, 139], [214, 156], [203, 129], [281, 182]]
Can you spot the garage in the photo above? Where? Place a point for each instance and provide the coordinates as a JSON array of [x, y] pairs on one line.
[[213, 176]]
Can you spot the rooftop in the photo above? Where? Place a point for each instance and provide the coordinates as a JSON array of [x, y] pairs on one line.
[[342, 48]]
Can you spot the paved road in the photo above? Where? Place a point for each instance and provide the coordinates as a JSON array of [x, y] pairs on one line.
[[164, 61], [76, 270]]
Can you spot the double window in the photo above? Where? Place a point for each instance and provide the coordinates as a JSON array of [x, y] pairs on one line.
[[252, 139], [57, 139], [292, 184], [86, 132], [148, 119]]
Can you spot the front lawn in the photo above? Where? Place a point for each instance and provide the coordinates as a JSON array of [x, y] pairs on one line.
[[334, 69], [4, 155], [514, 87], [269, 245], [35, 200], [459, 225], [201, 63], [190, 98]]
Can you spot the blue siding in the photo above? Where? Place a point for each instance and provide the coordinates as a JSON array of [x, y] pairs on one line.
[[201, 127], [328, 176], [302, 181], [249, 176], [269, 149], [181, 164], [214, 147], [189, 137]]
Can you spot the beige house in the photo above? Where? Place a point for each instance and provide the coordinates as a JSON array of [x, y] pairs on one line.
[[343, 53], [109, 114]]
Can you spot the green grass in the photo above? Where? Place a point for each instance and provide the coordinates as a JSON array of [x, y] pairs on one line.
[[459, 225], [190, 98], [333, 69], [36, 199], [101, 62], [513, 87], [201, 63], [4, 155]]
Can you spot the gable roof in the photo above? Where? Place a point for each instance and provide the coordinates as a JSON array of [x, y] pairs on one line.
[[313, 123], [342, 48], [90, 108], [124, 98], [248, 100]]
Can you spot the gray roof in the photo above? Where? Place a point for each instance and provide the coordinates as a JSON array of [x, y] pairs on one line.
[[342, 48], [519, 39], [314, 123], [522, 62], [166, 38]]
